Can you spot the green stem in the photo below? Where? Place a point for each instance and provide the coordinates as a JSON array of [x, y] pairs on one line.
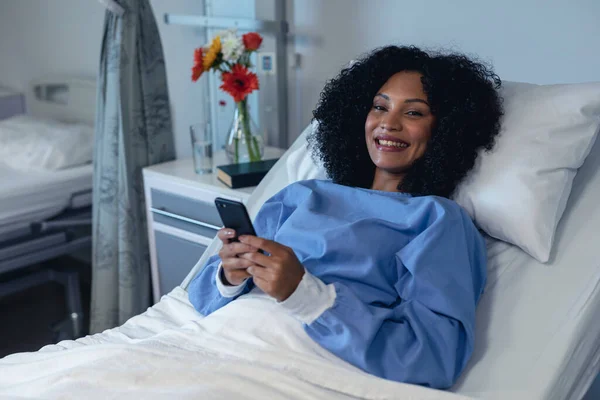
[[256, 149], [236, 155], [243, 112]]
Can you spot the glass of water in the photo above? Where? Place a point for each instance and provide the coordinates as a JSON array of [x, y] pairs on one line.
[[202, 147]]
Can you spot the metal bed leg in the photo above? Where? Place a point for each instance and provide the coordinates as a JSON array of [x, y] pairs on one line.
[[73, 296]]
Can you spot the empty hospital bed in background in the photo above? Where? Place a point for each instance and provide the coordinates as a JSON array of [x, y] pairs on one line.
[[46, 187], [538, 335]]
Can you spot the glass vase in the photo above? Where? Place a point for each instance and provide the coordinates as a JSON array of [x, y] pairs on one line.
[[244, 144]]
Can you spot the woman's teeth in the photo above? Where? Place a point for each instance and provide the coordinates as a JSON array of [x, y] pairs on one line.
[[391, 143]]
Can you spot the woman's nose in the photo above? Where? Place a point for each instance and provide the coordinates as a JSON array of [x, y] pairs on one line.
[[390, 123]]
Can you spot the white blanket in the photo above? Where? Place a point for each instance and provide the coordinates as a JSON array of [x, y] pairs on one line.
[[249, 349]]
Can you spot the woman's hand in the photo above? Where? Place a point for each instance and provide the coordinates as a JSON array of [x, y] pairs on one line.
[[279, 274], [234, 267]]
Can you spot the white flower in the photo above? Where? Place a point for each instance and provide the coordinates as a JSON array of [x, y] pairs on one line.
[[225, 32], [232, 46]]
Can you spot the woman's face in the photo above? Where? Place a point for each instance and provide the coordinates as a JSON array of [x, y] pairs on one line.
[[399, 124]]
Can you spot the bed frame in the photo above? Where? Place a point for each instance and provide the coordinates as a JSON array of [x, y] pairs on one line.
[[68, 100]]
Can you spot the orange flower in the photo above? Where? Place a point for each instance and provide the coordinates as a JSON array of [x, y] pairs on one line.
[[239, 82], [211, 55], [252, 41]]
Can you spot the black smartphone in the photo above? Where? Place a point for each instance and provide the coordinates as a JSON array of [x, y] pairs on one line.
[[235, 216]]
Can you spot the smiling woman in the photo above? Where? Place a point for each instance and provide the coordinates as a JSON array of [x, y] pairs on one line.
[[377, 267], [398, 128], [443, 107]]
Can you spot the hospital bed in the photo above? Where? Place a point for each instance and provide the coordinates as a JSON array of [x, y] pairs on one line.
[[46, 213], [538, 331], [538, 335]]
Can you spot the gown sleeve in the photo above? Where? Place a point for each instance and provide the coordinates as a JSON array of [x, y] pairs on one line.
[[425, 337], [203, 291]]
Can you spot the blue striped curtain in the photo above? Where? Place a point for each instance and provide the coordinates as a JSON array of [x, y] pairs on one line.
[[133, 130]]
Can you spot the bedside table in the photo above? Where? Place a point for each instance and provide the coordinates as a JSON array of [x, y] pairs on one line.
[[182, 218]]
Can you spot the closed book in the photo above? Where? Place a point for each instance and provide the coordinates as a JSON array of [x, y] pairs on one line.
[[244, 174]]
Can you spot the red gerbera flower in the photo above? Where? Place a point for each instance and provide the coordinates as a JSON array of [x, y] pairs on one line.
[[196, 72], [197, 69], [239, 82], [252, 41], [198, 56]]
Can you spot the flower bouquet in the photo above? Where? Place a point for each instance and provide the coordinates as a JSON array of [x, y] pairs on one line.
[[230, 55]]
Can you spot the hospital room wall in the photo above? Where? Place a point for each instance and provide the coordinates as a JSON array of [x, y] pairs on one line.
[[39, 38], [63, 37], [526, 40]]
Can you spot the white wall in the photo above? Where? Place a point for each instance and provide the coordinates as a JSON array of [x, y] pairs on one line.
[[188, 98], [49, 37], [528, 40], [179, 43], [39, 37]]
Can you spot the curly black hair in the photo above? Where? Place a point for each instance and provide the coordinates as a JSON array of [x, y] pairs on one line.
[[462, 94]]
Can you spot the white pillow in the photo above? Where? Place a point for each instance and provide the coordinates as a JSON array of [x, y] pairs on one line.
[[300, 164], [28, 143], [519, 191]]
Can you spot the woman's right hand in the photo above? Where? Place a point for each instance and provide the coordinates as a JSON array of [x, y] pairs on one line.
[[234, 268]]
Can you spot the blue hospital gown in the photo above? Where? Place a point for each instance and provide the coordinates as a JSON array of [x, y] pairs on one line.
[[408, 273]]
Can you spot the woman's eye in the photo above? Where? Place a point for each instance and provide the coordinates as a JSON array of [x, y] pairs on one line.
[[415, 113], [378, 108]]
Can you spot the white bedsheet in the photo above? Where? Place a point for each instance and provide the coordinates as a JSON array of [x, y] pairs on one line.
[[29, 196], [250, 349]]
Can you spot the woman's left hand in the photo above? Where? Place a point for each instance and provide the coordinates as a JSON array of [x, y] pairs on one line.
[[279, 274]]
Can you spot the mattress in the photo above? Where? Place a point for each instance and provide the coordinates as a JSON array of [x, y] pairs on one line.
[[538, 331], [28, 196]]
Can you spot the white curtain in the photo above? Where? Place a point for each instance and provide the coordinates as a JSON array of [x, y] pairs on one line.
[[133, 130]]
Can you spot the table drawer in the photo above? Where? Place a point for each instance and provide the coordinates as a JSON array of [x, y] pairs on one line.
[[175, 257], [201, 211], [186, 224]]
